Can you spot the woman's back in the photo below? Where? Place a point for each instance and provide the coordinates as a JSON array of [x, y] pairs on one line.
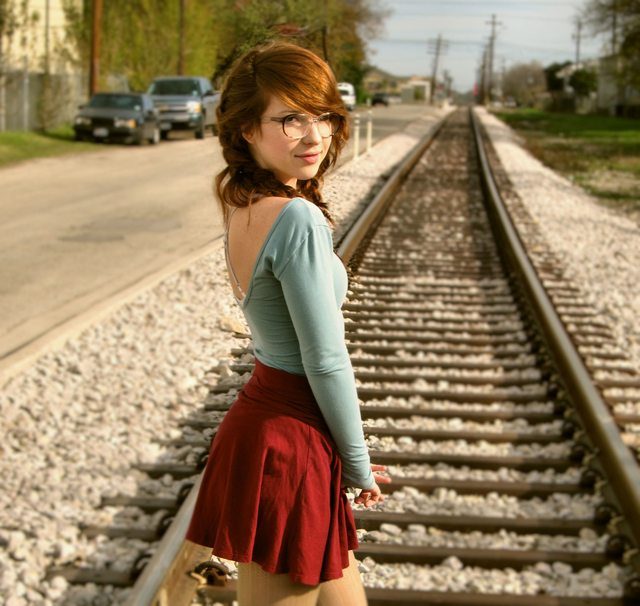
[[292, 285]]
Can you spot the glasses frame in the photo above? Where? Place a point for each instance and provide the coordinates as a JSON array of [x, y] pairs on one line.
[[312, 121]]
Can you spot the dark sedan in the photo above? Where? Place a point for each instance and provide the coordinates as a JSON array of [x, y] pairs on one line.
[[129, 117], [380, 99]]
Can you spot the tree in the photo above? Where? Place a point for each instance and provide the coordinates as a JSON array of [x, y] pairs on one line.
[[141, 37], [337, 30], [555, 84], [619, 19], [525, 82], [584, 81]]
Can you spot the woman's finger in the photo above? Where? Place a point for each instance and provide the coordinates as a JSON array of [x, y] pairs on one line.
[[381, 479], [378, 467]]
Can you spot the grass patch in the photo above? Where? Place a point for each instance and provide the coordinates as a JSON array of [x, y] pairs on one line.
[[16, 146], [600, 153]]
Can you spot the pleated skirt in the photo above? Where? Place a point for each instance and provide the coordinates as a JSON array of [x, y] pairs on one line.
[[271, 491]]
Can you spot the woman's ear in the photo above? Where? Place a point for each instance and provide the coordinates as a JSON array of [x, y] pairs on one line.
[[248, 136]]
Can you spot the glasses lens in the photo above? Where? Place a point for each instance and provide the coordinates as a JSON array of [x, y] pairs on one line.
[[297, 126], [327, 125]]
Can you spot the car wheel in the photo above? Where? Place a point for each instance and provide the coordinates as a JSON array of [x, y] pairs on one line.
[[200, 131], [214, 130], [164, 135], [155, 138]]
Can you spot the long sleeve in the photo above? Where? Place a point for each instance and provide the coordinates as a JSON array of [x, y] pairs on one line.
[[307, 281]]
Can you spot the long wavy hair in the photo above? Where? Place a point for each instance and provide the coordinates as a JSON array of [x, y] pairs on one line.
[[298, 78]]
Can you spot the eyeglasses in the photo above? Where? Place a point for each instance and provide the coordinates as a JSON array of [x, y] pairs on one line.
[[297, 126]]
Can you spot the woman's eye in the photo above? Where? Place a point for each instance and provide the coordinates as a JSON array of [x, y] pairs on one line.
[[292, 119]]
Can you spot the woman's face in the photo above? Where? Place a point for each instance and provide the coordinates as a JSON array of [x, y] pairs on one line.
[[289, 159]]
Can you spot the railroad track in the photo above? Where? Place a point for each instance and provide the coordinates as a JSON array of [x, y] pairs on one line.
[[511, 441]]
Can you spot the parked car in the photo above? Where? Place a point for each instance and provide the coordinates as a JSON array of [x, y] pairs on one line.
[[185, 102], [348, 94], [129, 117], [380, 99]]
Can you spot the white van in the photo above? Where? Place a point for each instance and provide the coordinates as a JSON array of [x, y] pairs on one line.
[[348, 94]]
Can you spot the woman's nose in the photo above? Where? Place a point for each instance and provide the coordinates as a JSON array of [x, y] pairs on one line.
[[314, 134]]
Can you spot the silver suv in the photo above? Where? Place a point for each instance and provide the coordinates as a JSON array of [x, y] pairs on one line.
[[185, 103]]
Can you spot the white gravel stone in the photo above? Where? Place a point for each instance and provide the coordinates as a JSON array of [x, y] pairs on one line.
[[601, 249], [445, 501], [451, 575], [417, 534]]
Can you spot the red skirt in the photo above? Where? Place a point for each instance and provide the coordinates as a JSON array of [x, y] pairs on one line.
[[271, 491]]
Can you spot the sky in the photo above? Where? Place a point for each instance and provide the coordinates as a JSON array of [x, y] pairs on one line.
[[542, 30]]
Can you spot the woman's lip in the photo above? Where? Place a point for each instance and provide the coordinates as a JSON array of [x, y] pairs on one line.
[[310, 158]]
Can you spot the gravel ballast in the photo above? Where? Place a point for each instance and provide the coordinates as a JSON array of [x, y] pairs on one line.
[[76, 421], [598, 246]]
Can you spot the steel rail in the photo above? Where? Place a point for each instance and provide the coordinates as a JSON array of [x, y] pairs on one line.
[[622, 470], [150, 588], [375, 209]]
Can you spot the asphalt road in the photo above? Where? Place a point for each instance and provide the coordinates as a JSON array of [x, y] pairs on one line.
[[77, 230]]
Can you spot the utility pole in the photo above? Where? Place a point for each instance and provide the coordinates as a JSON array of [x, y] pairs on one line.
[[325, 31], [441, 46], [484, 76], [94, 65], [181, 37], [492, 41], [577, 36], [615, 51], [434, 73]]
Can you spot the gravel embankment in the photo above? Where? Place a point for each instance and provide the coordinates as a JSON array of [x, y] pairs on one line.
[[600, 248], [77, 420]]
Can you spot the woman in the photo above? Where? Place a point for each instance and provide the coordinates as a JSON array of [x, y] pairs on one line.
[[273, 493]]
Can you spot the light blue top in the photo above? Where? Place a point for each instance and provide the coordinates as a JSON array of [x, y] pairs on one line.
[[293, 308]]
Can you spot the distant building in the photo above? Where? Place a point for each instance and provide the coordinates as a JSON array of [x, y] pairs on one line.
[[39, 85], [378, 81], [39, 37], [610, 97], [416, 89], [409, 88]]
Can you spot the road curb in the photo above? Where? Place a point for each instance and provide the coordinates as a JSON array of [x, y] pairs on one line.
[[55, 338]]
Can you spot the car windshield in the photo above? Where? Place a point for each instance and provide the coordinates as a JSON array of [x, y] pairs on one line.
[[174, 87], [344, 90], [116, 101]]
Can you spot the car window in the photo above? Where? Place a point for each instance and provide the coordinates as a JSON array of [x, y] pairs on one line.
[[175, 87], [116, 101]]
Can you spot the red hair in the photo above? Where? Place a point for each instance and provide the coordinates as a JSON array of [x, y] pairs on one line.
[[297, 77]]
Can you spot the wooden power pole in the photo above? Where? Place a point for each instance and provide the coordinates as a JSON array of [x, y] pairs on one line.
[[181, 37]]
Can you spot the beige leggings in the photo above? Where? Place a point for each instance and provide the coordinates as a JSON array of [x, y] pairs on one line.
[[259, 588]]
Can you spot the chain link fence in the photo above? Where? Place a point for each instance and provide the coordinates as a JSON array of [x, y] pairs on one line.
[[38, 101]]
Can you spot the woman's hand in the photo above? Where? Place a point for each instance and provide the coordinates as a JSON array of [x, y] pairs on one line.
[[371, 496]]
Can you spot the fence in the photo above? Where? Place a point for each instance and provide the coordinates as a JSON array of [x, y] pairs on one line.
[[34, 101]]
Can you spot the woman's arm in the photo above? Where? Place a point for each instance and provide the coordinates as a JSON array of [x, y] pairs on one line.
[[308, 287]]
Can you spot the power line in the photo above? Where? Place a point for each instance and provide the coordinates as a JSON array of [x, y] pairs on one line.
[[474, 3], [481, 15]]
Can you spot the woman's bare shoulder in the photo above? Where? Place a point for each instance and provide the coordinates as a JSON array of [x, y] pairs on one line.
[[272, 202], [262, 213]]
